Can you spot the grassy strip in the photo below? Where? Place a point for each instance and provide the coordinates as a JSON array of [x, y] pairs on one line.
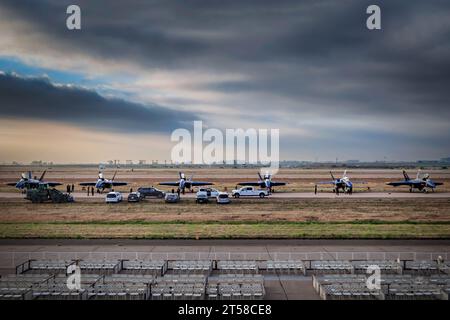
[[225, 231]]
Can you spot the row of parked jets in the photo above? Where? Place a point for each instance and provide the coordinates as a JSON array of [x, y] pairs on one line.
[[422, 182]]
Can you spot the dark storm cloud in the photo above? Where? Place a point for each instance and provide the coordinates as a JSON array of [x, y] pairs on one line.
[[317, 53], [39, 99]]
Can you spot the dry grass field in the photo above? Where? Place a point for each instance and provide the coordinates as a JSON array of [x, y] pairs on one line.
[[243, 218], [240, 210]]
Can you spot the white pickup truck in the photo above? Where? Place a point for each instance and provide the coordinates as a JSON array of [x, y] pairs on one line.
[[249, 192]]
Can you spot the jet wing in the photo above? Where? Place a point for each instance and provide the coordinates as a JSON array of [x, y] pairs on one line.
[[175, 183], [402, 183], [53, 184], [259, 184], [272, 183], [114, 183], [199, 183], [87, 183]]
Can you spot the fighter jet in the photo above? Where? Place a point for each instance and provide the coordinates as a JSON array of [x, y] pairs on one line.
[[264, 182], [28, 182], [421, 183], [184, 183], [103, 183], [343, 183]]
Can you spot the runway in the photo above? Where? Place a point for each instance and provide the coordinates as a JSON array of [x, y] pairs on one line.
[[13, 252], [282, 195]]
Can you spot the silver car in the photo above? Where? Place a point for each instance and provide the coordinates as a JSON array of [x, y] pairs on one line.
[[172, 197]]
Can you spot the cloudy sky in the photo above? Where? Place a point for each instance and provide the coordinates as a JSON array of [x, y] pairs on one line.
[[139, 69]]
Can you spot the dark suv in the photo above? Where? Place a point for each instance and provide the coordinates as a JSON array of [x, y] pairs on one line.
[[151, 192]]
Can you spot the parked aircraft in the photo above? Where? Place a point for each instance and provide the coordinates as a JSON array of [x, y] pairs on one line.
[[28, 182], [264, 182], [420, 183], [103, 183], [184, 183], [343, 183]]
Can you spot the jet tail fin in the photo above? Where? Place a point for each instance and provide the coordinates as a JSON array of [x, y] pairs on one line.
[[260, 177], [418, 174], [405, 175], [42, 175]]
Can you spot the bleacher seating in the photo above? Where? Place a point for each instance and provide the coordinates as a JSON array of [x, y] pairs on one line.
[[284, 266], [392, 287], [191, 266], [331, 267], [386, 266], [237, 266], [99, 266], [235, 286], [179, 286], [223, 279], [154, 267]]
